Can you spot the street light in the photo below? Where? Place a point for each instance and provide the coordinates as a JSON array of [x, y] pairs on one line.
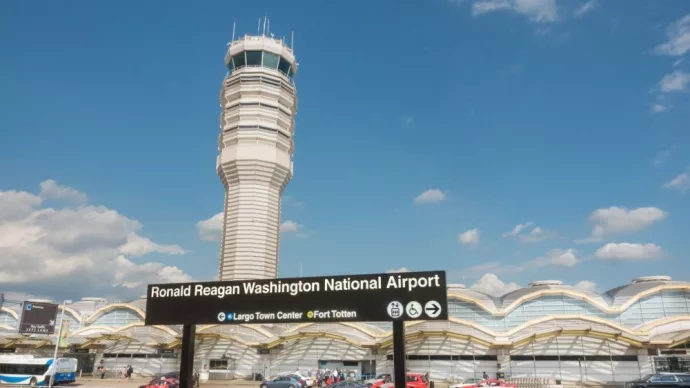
[[57, 343]]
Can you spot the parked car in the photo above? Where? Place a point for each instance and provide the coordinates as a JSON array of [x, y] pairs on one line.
[[466, 383], [281, 382], [378, 380], [348, 384], [308, 380], [495, 383], [163, 383], [418, 380], [302, 382], [661, 380], [414, 380]]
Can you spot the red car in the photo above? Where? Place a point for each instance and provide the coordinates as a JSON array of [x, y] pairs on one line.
[[164, 383], [417, 380], [414, 380], [495, 383]]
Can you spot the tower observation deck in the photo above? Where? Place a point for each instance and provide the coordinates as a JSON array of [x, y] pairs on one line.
[[258, 101]]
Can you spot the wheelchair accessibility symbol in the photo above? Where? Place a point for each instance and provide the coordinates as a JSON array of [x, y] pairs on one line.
[[414, 309]]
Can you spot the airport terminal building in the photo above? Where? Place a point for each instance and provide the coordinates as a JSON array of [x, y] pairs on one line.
[[545, 330]]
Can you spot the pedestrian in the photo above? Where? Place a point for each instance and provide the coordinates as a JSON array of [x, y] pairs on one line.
[[102, 372]]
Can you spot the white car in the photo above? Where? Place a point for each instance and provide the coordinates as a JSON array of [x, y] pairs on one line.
[[382, 377], [307, 380], [466, 383]]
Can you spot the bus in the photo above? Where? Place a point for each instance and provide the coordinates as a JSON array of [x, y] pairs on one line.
[[28, 370]]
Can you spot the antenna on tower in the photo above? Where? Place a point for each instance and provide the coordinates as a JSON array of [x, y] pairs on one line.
[[258, 27], [233, 31], [269, 27], [265, 20], [292, 41]]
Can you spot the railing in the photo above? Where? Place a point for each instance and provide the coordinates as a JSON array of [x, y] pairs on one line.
[[256, 38]]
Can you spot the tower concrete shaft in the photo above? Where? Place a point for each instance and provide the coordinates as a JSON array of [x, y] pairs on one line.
[[258, 102]]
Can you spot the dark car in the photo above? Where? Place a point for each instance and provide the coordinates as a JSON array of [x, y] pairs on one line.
[[347, 384], [666, 380], [284, 381], [299, 378]]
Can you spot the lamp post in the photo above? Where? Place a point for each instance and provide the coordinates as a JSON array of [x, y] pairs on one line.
[[57, 343]]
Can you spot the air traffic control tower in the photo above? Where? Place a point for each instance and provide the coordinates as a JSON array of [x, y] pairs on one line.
[[258, 101]]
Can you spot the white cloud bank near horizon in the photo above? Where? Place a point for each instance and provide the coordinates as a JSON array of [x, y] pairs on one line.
[[75, 249]]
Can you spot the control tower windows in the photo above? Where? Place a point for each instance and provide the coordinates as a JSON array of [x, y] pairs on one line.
[[239, 61], [284, 66], [271, 60], [257, 58], [253, 58]]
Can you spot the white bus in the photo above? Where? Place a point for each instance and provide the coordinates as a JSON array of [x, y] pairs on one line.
[[27, 370]]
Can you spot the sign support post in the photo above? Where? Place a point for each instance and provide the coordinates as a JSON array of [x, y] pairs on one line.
[[58, 337], [399, 355], [187, 356]]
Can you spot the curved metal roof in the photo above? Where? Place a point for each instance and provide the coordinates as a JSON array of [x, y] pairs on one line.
[[524, 293], [620, 295]]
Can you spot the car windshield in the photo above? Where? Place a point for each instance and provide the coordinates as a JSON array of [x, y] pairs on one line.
[[684, 378], [646, 377]]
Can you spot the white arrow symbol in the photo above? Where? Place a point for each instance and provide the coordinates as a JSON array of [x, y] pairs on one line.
[[432, 309]]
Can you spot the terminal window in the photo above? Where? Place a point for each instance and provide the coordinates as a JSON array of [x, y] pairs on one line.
[[219, 364]]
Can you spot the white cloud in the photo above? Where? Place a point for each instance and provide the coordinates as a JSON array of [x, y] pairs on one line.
[[677, 38], [430, 196], [629, 252], [76, 250], [659, 108], [408, 120], [398, 270], [676, 81], [211, 229], [517, 229], [586, 8], [586, 285], [619, 220], [17, 204], [565, 258], [537, 234], [680, 183], [140, 246], [290, 227], [490, 284], [50, 189], [662, 157], [534, 10], [470, 237]]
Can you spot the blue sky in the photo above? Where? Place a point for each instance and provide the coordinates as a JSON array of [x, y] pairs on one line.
[[514, 111]]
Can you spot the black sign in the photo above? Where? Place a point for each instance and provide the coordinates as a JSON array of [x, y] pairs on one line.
[[8, 350], [38, 318], [406, 296]]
